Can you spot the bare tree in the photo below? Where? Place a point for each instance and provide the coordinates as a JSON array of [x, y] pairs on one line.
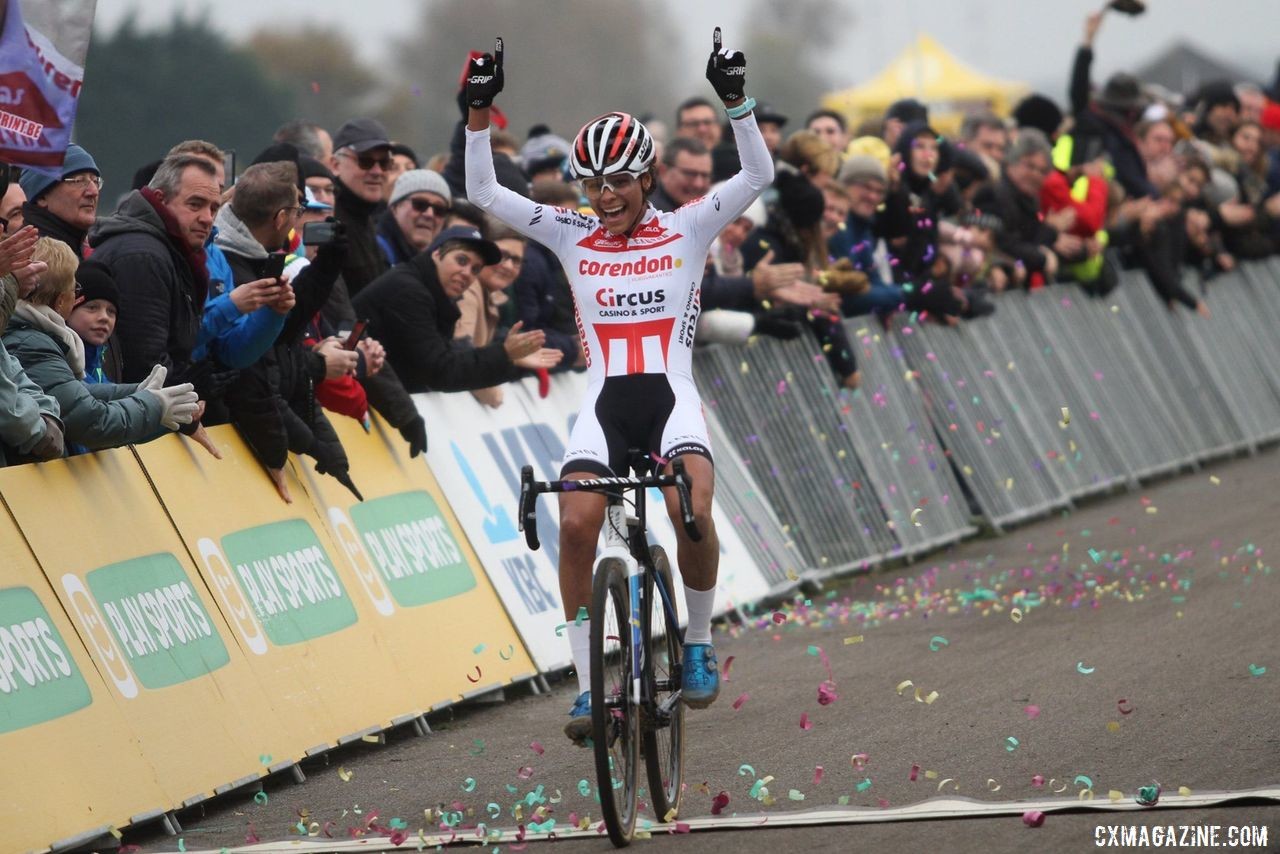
[[566, 62], [787, 42]]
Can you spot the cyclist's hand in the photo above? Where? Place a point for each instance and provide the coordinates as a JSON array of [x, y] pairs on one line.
[[520, 344], [726, 70], [484, 77]]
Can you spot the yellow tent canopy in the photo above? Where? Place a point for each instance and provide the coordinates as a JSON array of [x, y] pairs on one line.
[[927, 72]]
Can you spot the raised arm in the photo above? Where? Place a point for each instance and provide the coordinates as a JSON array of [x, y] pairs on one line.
[[484, 81], [726, 71]]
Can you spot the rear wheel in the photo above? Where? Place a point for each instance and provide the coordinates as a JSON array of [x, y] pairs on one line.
[[663, 736], [614, 722]]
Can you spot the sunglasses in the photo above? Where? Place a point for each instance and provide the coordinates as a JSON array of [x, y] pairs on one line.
[[367, 161], [619, 182], [422, 206], [517, 260]]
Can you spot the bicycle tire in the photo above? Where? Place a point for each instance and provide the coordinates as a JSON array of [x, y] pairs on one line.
[[663, 746], [614, 728]]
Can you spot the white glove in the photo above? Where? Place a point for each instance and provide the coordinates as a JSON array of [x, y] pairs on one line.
[[180, 403], [155, 379]]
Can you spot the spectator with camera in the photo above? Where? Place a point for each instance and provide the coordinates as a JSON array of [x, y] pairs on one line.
[[273, 402]]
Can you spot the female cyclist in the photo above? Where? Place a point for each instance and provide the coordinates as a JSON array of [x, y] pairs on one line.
[[636, 276]]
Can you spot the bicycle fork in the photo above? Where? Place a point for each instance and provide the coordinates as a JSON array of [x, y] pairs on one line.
[[617, 545]]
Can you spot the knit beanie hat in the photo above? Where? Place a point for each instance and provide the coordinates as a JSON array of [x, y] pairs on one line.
[[36, 184], [94, 281], [419, 181], [860, 168]]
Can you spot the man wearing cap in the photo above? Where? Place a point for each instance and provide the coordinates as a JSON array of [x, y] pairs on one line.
[[901, 113], [1111, 115], [360, 162], [412, 309], [419, 203], [64, 207]]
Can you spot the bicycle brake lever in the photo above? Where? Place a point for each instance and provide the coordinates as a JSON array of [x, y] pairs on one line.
[[682, 492], [527, 519]]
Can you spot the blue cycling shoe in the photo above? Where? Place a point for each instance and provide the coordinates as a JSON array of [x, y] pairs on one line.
[[700, 684], [579, 726]]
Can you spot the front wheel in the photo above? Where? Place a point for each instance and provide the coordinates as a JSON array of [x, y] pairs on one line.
[[662, 732], [614, 721]]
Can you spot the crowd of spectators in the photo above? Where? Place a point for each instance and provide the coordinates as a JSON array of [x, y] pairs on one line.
[[341, 272]]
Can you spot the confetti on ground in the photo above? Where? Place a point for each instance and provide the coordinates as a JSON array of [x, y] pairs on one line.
[[1256, 670], [742, 698], [937, 642], [915, 516], [1214, 480], [849, 641], [536, 747], [1033, 818], [817, 775], [1120, 706], [1148, 795], [795, 795], [827, 693], [260, 798], [1016, 615], [1081, 668], [1066, 418], [746, 770], [992, 785], [1032, 712], [477, 748], [344, 774], [805, 723], [469, 784], [1011, 744], [728, 663]]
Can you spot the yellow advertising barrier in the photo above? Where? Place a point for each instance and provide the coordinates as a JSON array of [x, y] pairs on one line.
[[69, 766], [150, 625], [297, 613], [438, 615]]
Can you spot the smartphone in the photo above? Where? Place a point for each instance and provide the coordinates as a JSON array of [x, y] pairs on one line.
[[274, 268], [357, 332], [318, 233]]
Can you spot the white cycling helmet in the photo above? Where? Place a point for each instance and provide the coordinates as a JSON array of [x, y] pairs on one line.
[[614, 142]]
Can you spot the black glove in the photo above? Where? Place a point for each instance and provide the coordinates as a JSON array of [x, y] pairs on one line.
[[726, 70], [415, 433], [484, 77]]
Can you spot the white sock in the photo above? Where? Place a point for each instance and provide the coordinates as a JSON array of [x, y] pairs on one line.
[[580, 647], [700, 604]]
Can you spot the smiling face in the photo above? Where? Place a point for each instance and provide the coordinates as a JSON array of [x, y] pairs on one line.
[[619, 200], [1247, 140], [420, 216], [924, 155], [457, 266], [498, 277], [688, 178], [363, 173], [93, 321]]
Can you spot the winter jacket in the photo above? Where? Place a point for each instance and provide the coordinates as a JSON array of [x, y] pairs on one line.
[[411, 316], [364, 261], [49, 225], [162, 294], [1023, 233], [103, 415], [391, 240], [1091, 119], [22, 403], [102, 362], [237, 340], [273, 402]]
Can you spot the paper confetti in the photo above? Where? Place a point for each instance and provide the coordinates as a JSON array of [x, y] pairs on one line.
[[937, 642], [817, 775], [260, 798], [742, 698], [1032, 712], [1081, 668], [849, 641], [805, 723], [1256, 670], [1033, 818], [915, 516], [537, 747], [344, 774]]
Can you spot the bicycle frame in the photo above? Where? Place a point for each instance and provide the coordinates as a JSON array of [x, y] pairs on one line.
[[621, 542]]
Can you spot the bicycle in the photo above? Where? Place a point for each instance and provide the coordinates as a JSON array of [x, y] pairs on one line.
[[635, 696]]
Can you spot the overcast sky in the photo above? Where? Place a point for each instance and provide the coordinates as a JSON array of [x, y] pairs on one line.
[[1005, 38]]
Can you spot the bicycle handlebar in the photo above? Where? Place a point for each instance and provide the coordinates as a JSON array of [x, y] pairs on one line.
[[530, 489]]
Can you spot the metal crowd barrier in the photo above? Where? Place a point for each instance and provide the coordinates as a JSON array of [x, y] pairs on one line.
[[753, 518], [1058, 396], [777, 401], [896, 442]]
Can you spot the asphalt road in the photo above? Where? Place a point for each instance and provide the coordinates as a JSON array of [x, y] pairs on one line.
[[1163, 599]]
